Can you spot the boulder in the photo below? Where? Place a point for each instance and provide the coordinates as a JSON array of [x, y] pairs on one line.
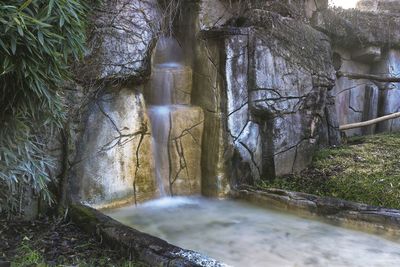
[[114, 163], [121, 40]]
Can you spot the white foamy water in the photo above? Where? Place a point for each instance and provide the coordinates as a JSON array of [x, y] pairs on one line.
[[242, 234], [160, 126]]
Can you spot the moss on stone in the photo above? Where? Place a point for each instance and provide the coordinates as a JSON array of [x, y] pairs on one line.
[[352, 28], [365, 170]]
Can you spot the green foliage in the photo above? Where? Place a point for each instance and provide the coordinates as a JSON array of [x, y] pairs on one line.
[[27, 255], [367, 170], [37, 39]]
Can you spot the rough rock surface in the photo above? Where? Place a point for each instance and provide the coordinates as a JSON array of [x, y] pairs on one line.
[[264, 91], [186, 130], [289, 89], [208, 93], [134, 244], [108, 159], [356, 29], [351, 94], [382, 6], [261, 75], [114, 159], [121, 39], [365, 42], [277, 93], [390, 92], [215, 13], [243, 131]]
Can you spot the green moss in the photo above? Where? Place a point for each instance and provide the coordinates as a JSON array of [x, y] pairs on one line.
[[366, 170]]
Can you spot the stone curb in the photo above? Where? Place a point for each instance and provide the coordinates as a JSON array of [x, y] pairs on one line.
[[356, 214], [134, 244]]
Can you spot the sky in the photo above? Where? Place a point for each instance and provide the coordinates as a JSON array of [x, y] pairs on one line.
[[344, 3]]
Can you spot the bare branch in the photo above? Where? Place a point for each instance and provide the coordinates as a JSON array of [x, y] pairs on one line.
[[358, 76]]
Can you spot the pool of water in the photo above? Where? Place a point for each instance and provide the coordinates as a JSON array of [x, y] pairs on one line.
[[242, 234]]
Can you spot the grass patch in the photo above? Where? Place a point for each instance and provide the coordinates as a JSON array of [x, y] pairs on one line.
[[27, 256], [365, 170]]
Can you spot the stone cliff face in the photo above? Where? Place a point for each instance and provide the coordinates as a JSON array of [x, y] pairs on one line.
[[111, 161], [263, 89], [365, 41]]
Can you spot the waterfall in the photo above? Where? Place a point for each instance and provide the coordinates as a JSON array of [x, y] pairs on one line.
[[160, 99], [176, 124], [159, 117]]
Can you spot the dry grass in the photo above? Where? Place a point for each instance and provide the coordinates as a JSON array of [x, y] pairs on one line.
[[365, 170]]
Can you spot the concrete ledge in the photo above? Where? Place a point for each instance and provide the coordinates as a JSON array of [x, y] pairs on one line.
[[136, 245], [351, 214]]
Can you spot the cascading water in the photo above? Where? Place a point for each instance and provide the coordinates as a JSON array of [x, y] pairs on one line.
[[168, 97], [159, 117]]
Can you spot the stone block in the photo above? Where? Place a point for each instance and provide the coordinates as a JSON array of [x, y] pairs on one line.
[[185, 149], [114, 163]]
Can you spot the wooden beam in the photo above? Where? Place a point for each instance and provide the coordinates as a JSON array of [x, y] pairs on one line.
[[358, 76], [370, 122]]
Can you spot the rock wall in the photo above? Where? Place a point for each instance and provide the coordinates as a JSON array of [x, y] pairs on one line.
[[264, 93], [288, 92], [365, 41], [186, 132], [114, 159], [113, 162], [205, 56], [121, 39], [351, 95], [383, 6], [110, 162], [389, 96]]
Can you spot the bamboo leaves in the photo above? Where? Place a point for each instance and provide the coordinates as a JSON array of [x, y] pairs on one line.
[[37, 39]]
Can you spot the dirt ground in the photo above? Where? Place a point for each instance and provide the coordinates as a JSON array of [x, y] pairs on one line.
[[53, 242]]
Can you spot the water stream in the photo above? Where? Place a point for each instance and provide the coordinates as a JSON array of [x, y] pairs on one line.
[[160, 125], [241, 234], [235, 232], [169, 90]]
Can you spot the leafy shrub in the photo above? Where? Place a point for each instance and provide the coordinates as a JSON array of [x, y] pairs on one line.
[[37, 39]]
